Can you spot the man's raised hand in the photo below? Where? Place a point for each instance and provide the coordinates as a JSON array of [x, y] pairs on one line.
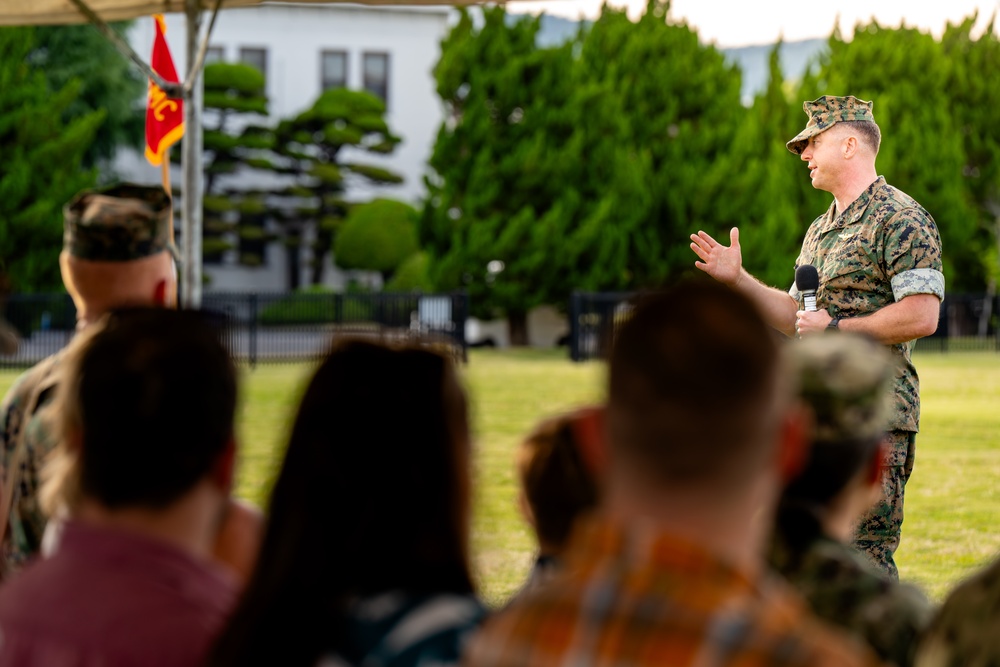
[[724, 263]]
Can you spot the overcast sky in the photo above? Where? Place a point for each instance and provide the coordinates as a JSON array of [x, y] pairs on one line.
[[743, 22]]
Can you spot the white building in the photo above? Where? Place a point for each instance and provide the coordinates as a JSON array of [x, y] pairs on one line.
[[302, 49]]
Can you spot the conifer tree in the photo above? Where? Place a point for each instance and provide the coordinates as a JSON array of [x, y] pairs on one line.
[[41, 167]]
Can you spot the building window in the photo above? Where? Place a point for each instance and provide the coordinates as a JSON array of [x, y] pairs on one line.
[[214, 54], [255, 58], [375, 73], [333, 69]]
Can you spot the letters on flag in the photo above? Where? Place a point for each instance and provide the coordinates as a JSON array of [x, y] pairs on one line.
[[164, 116]]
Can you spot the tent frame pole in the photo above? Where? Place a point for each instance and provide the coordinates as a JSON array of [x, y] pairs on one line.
[[191, 163]]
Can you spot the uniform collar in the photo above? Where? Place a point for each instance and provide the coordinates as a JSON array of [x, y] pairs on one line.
[[855, 210]]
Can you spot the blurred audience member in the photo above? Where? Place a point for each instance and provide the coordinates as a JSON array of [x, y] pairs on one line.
[[146, 410], [559, 466], [116, 253], [702, 431], [845, 380], [966, 630], [365, 556]]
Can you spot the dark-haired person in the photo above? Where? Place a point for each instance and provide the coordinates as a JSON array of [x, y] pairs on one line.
[[559, 466], [365, 556], [670, 570], [844, 380], [878, 254], [145, 467], [116, 253]]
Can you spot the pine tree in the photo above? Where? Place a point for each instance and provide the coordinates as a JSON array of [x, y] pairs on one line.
[[41, 169], [316, 149]]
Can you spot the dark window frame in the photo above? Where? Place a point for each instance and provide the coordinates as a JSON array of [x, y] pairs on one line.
[[244, 50], [324, 82], [382, 91]]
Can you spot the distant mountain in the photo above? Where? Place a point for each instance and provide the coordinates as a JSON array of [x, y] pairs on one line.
[[555, 30], [795, 57], [752, 60]]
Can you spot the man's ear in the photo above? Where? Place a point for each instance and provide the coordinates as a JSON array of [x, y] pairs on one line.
[[160, 294], [74, 440], [793, 442], [873, 474], [224, 470], [850, 146]]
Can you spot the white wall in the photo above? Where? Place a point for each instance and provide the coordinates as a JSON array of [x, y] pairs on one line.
[[294, 36]]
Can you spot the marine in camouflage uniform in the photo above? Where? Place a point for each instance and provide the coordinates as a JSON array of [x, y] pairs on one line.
[[966, 630], [123, 223], [882, 248], [844, 378]]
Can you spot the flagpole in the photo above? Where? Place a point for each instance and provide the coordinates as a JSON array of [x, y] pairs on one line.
[[165, 169]]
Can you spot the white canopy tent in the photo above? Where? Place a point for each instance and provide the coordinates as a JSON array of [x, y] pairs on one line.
[[99, 12]]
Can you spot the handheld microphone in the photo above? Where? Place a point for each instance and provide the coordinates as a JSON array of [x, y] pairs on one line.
[[807, 282]]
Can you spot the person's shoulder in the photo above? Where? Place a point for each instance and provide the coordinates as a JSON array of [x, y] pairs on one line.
[[901, 206], [841, 587], [26, 383], [40, 579], [966, 630], [789, 629]]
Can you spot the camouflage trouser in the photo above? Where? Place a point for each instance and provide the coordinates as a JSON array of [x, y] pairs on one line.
[[877, 534]]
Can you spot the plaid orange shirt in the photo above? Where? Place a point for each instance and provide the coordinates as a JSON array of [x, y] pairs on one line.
[[638, 597]]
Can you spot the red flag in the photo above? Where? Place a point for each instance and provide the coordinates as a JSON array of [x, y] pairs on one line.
[[164, 116]]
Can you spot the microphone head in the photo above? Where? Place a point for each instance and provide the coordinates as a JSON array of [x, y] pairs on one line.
[[807, 278]]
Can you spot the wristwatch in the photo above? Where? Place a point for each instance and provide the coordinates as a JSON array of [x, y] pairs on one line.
[[834, 324]]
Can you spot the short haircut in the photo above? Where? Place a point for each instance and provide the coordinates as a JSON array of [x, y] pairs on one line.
[[555, 479], [694, 392], [155, 397], [867, 130]]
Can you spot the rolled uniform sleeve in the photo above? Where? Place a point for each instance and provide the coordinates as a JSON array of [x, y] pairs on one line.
[[913, 255]]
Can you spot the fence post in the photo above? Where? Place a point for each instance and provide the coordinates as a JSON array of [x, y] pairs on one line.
[[575, 300], [459, 316], [252, 333]]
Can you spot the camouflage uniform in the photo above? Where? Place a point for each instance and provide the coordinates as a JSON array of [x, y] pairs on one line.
[[966, 631], [882, 248], [844, 378], [118, 224], [843, 588]]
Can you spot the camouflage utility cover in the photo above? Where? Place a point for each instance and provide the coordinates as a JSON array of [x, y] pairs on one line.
[[826, 112], [966, 631], [882, 248], [23, 536], [118, 224], [846, 380], [842, 588]]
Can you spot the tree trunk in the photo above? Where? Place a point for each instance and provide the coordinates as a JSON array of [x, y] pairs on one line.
[[517, 327]]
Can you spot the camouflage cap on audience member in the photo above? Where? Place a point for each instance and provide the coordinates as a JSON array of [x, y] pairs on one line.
[[120, 223], [826, 112], [846, 379]]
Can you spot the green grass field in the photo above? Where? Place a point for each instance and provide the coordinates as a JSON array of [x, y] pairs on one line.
[[952, 498]]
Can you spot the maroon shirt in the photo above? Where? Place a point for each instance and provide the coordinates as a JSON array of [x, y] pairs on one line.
[[111, 598]]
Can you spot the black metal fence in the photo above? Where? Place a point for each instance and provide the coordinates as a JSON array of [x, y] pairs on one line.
[[968, 322], [263, 328]]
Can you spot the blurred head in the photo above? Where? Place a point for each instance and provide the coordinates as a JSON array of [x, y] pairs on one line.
[[116, 250], [559, 465], [146, 409], [845, 380], [696, 397], [373, 496]]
